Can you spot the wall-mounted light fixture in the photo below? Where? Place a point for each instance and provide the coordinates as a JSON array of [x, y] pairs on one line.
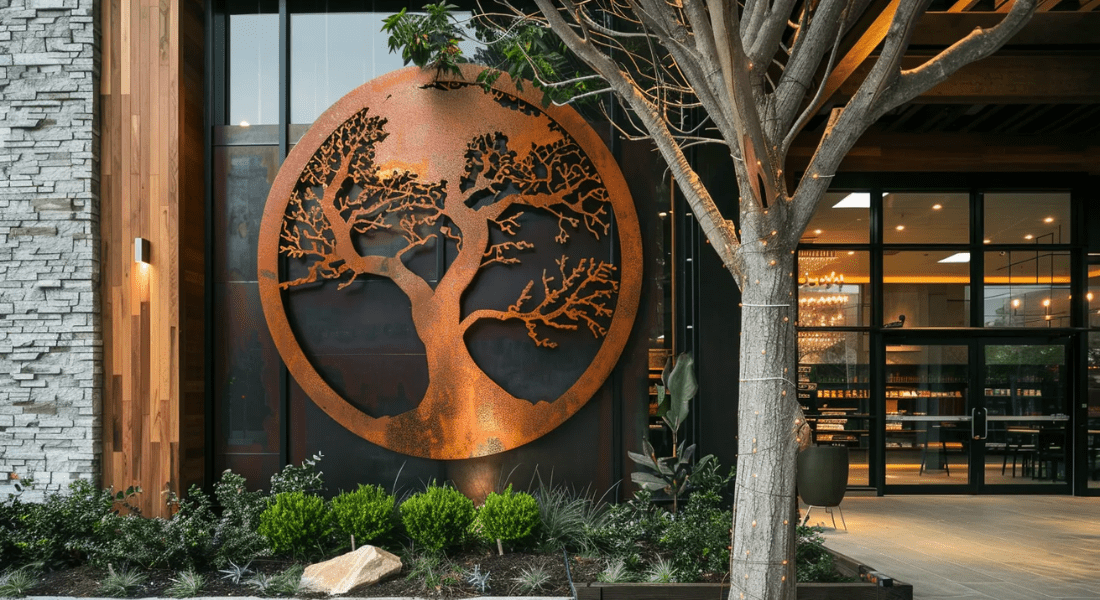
[[142, 251]]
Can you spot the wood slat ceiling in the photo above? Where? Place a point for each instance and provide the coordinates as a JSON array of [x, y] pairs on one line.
[[1044, 82]]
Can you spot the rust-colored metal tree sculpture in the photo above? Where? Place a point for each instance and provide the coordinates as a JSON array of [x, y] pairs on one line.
[[406, 162]]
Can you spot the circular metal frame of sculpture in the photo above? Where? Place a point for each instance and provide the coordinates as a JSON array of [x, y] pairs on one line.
[[417, 161]]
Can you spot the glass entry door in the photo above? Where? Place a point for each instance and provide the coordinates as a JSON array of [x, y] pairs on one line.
[[1025, 394], [927, 421], [972, 416]]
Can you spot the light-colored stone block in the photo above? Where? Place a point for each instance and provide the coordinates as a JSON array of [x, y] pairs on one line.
[[366, 566]]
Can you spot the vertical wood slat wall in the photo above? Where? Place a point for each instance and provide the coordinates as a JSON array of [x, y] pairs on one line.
[[152, 186]]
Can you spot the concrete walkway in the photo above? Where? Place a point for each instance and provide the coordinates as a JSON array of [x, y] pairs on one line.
[[976, 547]]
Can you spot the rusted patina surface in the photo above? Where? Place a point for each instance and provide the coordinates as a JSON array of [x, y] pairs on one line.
[[402, 164]]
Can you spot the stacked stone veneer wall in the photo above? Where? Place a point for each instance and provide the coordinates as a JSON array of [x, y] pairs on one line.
[[50, 342]]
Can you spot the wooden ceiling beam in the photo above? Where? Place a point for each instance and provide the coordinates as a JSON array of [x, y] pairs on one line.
[[856, 55], [963, 6], [1009, 80], [959, 152], [1062, 28]]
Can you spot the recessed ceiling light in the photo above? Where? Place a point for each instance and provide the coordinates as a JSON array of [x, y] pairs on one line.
[[662, 214], [937, 206], [244, 123], [900, 228], [1089, 296], [1029, 237], [1046, 302], [851, 252], [1048, 220], [1016, 303], [855, 200], [958, 257], [987, 241], [817, 231]]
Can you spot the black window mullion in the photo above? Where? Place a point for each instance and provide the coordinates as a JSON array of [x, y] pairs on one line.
[[284, 125], [977, 259]]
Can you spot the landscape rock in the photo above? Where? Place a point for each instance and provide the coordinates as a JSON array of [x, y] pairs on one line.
[[367, 565]]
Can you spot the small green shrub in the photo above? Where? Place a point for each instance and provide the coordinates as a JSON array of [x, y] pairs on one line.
[[296, 524], [697, 541], [55, 532], [438, 517], [182, 541], [366, 513], [510, 516], [303, 478], [812, 561], [236, 539]]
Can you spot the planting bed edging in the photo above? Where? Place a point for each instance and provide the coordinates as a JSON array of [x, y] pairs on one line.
[[873, 585]]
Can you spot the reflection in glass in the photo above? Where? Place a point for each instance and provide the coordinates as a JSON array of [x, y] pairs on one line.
[[841, 218], [242, 179], [1024, 392], [334, 53], [926, 218], [1027, 288], [926, 289], [1092, 461], [927, 434], [835, 394], [1027, 218], [833, 288], [253, 69]]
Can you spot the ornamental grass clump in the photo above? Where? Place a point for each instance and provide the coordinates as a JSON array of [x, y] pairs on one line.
[[296, 524], [438, 517], [364, 515], [508, 517]]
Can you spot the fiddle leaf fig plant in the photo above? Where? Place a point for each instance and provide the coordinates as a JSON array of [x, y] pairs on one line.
[[671, 474]]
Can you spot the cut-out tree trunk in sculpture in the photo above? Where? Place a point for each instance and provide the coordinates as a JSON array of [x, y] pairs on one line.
[[369, 198], [758, 70]]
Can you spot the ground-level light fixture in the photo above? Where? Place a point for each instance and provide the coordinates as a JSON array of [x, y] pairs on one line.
[[142, 250]]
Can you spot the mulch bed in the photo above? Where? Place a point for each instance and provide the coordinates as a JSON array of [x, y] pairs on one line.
[[85, 580]]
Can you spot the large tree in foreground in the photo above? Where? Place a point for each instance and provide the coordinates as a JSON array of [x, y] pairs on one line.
[[758, 70]]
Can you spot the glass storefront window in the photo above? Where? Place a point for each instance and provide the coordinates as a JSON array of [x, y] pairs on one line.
[[926, 218], [835, 394], [334, 53], [1027, 218], [253, 69], [833, 288], [926, 289], [841, 218], [1027, 288]]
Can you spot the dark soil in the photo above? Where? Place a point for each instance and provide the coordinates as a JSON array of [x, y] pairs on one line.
[[85, 581]]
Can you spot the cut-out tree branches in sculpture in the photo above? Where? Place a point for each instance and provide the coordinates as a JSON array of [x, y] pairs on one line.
[[362, 207], [749, 75]]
